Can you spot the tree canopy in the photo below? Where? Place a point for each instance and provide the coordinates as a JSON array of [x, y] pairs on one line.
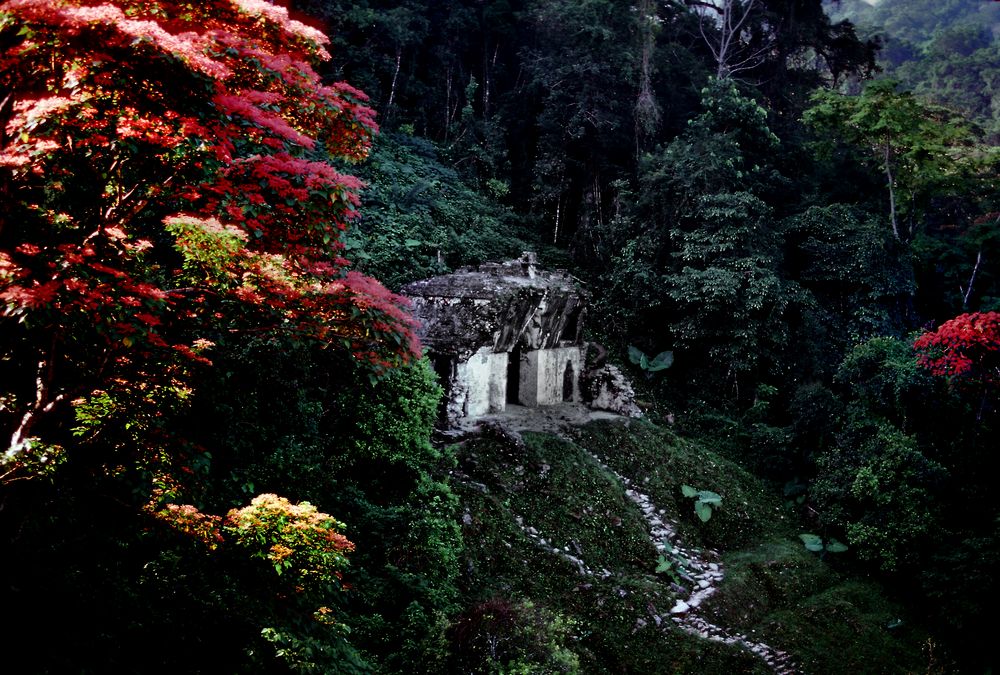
[[177, 174], [219, 447]]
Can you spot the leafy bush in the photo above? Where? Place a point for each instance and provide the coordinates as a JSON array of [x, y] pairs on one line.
[[875, 482], [705, 501], [420, 218], [513, 638]]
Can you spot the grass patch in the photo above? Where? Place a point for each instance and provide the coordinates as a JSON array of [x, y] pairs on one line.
[[664, 462], [783, 594], [846, 629], [773, 576], [774, 591], [556, 488]]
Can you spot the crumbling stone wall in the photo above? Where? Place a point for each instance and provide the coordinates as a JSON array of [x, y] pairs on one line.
[[503, 334]]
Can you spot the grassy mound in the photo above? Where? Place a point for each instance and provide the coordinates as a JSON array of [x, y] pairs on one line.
[[530, 508]]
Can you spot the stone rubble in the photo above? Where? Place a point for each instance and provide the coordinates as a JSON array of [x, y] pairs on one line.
[[542, 543]]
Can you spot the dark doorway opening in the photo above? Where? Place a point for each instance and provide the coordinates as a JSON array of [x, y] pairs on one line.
[[571, 327], [514, 376], [568, 380], [444, 368]]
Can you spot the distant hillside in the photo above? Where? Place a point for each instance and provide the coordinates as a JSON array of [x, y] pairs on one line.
[[916, 21], [945, 50]]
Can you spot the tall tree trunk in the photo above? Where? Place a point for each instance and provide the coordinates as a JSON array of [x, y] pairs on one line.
[[395, 77], [447, 103], [966, 292], [555, 235], [892, 194]]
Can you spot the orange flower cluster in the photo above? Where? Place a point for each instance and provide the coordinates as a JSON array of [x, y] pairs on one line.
[[292, 537]]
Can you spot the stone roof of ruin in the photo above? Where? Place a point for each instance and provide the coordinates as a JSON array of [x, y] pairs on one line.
[[498, 305], [490, 280]]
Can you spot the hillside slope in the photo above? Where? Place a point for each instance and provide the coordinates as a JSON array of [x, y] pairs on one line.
[[564, 535]]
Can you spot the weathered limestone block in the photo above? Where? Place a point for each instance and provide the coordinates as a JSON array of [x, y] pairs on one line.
[[484, 377], [608, 389], [550, 376], [503, 306], [455, 325]]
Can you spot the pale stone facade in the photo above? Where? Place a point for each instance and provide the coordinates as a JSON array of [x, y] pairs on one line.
[[550, 376], [504, 334]]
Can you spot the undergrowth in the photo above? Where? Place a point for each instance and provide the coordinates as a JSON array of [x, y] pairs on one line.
[[615, 620]]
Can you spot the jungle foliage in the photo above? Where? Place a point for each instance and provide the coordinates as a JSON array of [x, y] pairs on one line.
[[220, 426]]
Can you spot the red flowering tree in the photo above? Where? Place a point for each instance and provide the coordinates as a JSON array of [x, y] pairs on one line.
[[169, 174], [965, 349]]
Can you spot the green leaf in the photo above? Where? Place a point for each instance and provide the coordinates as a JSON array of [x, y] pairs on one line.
[[688, 491], [703, 510], [709, 497], [663, 565], [835, 546], [635, 355], [661, 361], [644, 362], [793, 488], [812, 542], [412, 243]]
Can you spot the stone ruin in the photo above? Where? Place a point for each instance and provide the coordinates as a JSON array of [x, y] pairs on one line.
[[508, 333]]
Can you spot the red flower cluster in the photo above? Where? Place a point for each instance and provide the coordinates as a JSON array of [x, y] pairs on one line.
[[129, 117], [966, 348]]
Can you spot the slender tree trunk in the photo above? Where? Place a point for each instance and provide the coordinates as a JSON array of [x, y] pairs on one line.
[[892, 194], [447, 103], [725, 39], [598, 199], [966, 292], [555, 235], [488, 65], [647, 112], [395, 77]]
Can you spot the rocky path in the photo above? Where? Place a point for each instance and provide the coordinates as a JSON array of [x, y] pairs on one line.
[[702, 571], [564, 553]]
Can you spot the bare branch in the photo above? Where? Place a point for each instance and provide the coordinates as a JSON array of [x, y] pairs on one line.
[[966, 292], [733, 16]]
